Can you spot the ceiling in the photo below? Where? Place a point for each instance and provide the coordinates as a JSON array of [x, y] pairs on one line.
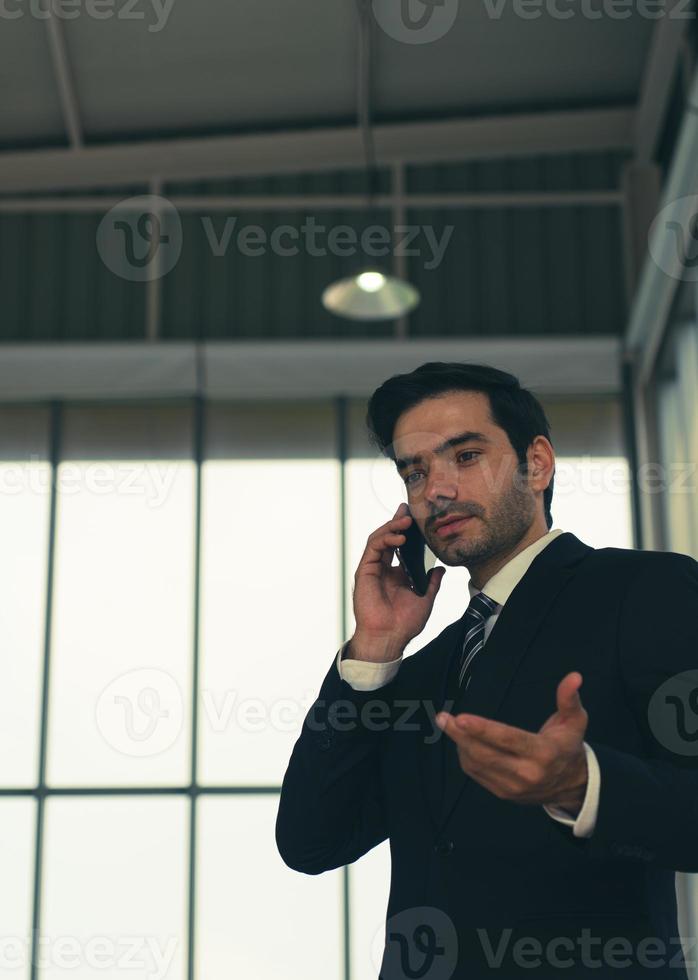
[[191, 67], [510, 123]]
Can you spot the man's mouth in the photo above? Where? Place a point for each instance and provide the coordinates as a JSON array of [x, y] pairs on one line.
[[453, 526]]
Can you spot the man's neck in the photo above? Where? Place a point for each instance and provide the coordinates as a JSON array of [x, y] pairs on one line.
[[482, 573]]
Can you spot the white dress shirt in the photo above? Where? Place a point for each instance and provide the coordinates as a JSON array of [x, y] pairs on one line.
[[363, 675]]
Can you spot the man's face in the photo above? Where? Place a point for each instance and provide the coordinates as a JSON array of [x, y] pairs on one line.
[[478, 478]]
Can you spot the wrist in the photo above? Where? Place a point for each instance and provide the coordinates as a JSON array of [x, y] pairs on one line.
[[372, 649], [573, 796], [571, 805]]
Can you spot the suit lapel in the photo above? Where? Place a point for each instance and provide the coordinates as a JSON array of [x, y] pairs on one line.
[[433, 694], [504, 653]]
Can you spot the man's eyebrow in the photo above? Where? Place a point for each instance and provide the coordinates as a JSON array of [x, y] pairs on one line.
[[469, 436]]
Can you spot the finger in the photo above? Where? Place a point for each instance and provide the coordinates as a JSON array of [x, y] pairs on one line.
[[400, 514], [391, 541], [389, 537], [506, 738], [569, 703], [380, 549], [434, 578], [396, 523], [476, 754], [454, 726]]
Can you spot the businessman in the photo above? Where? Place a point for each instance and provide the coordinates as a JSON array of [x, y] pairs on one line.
[[535, 766]]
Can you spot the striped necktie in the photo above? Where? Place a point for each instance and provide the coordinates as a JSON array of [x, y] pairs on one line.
[[479, 610]]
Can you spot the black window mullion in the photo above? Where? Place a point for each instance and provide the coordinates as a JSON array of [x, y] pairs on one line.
[[341, 428], [55, 426]]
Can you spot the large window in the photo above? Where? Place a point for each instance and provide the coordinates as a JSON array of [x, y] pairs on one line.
[[177, 582], [25, 479], [122, 605], [677, 411]]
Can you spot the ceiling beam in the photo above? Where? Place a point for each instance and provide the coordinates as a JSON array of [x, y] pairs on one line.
[[480, 201], [666, 48], [64, 78], [560, 366], [300, 151]]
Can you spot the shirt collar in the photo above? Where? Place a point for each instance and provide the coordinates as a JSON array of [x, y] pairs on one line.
[[500, 585]]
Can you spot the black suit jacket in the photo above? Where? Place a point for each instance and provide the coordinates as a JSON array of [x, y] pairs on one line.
[[474, 875]]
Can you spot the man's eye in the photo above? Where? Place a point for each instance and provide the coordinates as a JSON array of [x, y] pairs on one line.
[[466, 452]]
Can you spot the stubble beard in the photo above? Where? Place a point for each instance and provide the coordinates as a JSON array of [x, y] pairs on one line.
[[485, 538]]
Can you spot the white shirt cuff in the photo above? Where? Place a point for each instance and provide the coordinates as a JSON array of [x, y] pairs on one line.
[[583, 825], [363, 675]]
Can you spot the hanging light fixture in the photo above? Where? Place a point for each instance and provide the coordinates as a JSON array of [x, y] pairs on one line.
[[371, 293]]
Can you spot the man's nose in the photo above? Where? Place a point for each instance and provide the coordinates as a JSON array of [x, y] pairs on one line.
[[441, 483]]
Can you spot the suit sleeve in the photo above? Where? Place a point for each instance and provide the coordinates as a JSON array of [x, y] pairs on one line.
[[331, 808], [583, 824], [363, 675], [648, 807]]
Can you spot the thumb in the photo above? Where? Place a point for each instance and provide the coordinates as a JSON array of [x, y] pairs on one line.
[[569, 703], [434, 576]]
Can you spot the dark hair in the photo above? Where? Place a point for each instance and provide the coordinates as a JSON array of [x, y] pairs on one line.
[[512, 407]]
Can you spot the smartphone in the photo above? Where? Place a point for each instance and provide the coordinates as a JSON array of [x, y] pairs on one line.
[[416, 557]]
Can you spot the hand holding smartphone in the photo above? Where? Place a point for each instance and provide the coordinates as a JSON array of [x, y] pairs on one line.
[[412, 555], [392, 603]]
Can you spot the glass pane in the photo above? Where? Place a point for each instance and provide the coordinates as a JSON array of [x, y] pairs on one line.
[[270, 430], [269, 610], [676, 508], [115, 888], [585, 426], [24, 519], [123, 603], [17, 837], [256, 917], [128, 431], [369, 890], [24, 431], [591, 498], [677, 407]]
